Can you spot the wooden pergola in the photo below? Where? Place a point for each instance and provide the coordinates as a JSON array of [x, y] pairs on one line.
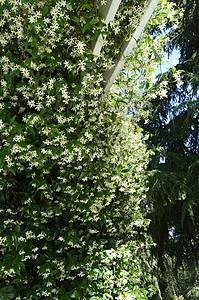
[[108, 13]]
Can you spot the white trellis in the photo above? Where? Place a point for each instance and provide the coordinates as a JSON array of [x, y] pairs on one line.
[[107, 14]]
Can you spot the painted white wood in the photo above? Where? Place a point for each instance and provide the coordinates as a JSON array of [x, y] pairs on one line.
[[111, 75], [109, 10], [107, 14], [98, 45]]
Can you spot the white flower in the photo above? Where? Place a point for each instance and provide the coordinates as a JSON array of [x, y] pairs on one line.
[[45, 293], [41, 236], [2, 125], [81, 65], [3, 83], [103, 2], [30, 235], [177, 76], [163, 93], [9, 161], [35, 249], [51, 83], [18, 138], [80, 46], [49, 283]]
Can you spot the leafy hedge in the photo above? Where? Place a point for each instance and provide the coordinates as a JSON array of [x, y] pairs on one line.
[[72, 166]]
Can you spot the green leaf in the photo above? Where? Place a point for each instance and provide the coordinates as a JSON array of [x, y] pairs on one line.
[[151, 69], [16, 243], [13, 171], [75, 19], [7, 289], [45, 10], [94, 21], [16, 280], [65, 297], [17, 228], [86, 27], [42, 77], [6, 292], [29, 51], [2, 159], [28, 61], [61, 22], [34, 51], [9, 54], [88, 51], [40, 21], [8, 258], [17, 269], [86, 6]]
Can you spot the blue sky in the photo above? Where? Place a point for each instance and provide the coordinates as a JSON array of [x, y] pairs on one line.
[[173, 57]]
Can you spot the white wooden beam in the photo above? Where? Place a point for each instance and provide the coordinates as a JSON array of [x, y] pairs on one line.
[[109, 10], [107, 14], [111, 75]]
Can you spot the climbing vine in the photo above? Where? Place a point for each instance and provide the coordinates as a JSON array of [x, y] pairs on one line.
[[72, 165]]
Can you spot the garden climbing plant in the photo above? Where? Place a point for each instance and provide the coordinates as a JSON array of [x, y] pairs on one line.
[[72, 165]]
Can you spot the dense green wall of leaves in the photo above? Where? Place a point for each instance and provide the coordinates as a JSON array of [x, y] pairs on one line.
[[71, 165]]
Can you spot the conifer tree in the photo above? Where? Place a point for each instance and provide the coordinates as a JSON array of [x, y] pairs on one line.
[[174, 127]]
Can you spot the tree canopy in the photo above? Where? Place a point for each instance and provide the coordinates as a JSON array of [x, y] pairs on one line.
[[173, 127]]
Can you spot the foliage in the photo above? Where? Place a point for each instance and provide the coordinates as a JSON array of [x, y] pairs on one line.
[[178, 298], [171, 103], [188, 47], [72, 165], [173, 185]]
